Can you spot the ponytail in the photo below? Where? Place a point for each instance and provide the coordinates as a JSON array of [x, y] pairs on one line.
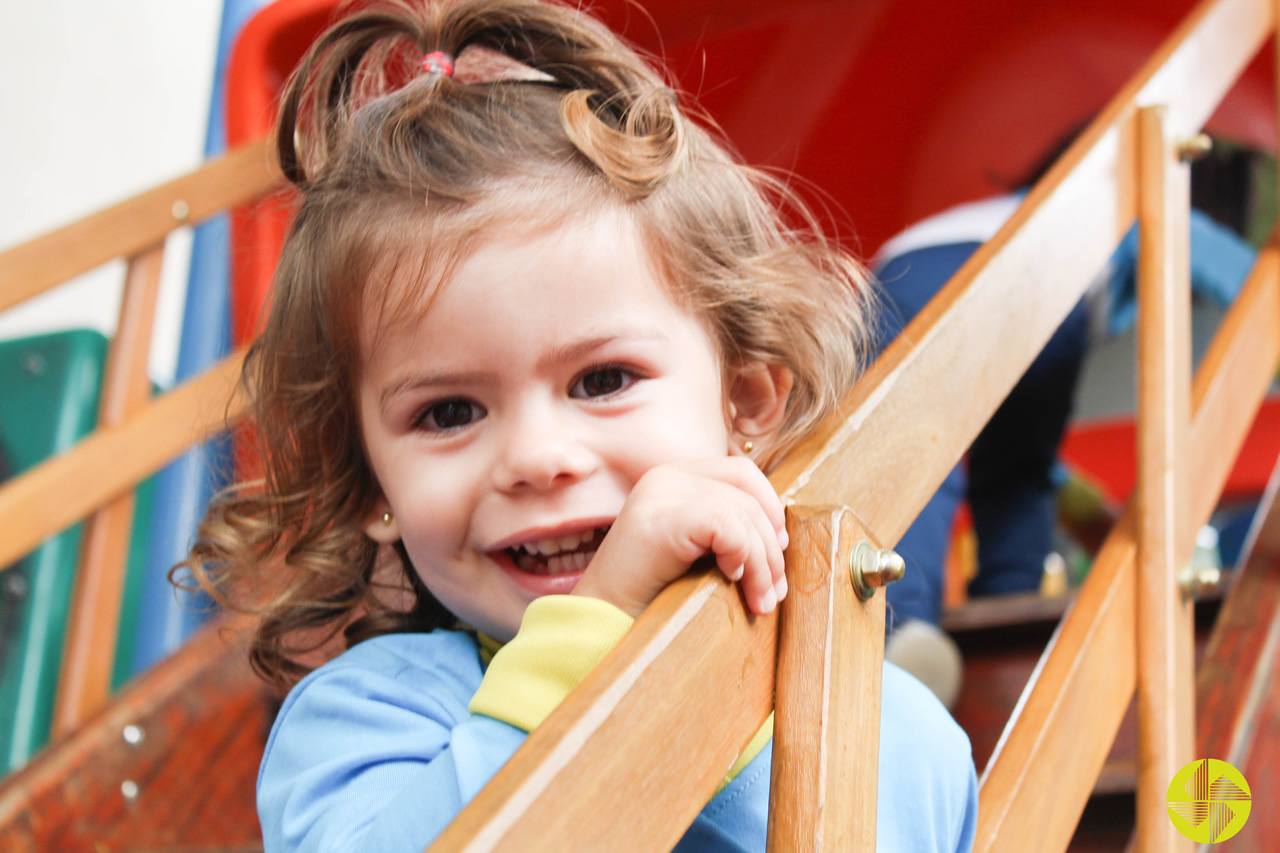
[[378, 50]]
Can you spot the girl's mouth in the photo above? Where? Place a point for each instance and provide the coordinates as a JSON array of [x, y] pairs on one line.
[[560, 555]]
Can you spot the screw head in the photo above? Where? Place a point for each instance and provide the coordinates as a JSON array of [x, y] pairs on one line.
[[871, 568], [33, 363], [1195, 148], [15, 585], [180, 210]]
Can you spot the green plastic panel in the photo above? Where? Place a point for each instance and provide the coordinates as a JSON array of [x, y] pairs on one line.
[[49, 390]]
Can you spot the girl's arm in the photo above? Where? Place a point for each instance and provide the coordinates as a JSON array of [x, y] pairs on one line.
[[381, 748]]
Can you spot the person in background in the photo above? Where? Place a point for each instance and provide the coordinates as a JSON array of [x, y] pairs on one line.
[[1012, 472]]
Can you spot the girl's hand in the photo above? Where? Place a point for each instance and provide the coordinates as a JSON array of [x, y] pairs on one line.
[[679, 513]]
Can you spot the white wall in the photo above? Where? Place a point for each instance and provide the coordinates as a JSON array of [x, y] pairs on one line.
[[101, 99]]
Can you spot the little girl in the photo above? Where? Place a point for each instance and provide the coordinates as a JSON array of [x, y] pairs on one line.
[[533, 334]]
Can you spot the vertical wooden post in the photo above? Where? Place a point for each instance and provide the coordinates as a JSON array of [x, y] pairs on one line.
[[826, 736], [1165, 683], [87, 659]]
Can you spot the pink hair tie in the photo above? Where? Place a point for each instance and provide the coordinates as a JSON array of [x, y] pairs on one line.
[[438, 62]]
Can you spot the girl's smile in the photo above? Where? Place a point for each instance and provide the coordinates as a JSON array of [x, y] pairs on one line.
[[550, 561], [507, 424]]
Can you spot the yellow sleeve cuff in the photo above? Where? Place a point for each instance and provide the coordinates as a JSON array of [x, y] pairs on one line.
[[561, 639], [758, 742]]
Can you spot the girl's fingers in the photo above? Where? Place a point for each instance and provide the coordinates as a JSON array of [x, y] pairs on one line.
[[743, 474], [757, 580], [767, 537], [743, 554]]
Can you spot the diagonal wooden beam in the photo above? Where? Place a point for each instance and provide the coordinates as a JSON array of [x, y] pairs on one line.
[[127, 228], [64, 489]]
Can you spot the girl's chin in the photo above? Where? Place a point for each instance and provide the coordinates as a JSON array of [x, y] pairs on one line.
[[536, 584]]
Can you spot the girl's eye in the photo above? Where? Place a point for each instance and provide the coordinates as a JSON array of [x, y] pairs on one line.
[[601, 382], [450, 414]]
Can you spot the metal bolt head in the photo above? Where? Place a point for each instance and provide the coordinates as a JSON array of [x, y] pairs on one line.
[[33, 363], [871, 568], [129, 790], [15, 585], [1195, 581], [133, 735], [1195, 148]]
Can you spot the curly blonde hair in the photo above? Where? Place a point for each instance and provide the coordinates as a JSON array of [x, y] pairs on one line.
[[399, 169]]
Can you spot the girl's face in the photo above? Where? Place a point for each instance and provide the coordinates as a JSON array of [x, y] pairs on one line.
[[545, 378]]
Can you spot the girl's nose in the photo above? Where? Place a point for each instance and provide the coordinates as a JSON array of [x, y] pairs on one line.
[[542, 451]]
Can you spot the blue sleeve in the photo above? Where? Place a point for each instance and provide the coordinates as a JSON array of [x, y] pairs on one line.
[[928, 794], [1220, 263], [1220, 260], [379, 757]]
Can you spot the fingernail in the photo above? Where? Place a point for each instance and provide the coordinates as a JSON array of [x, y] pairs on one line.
[[738, 573], [780, 588], [784, 539], [768, 601]]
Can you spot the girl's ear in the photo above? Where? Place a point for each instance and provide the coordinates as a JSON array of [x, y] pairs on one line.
[[381, 525], [758, 398]]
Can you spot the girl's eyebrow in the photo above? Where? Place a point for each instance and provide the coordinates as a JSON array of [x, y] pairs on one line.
[[426, 380], [579, 349]]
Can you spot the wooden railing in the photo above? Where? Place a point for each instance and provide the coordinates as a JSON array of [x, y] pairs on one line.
[[135, 435], [698, 674]]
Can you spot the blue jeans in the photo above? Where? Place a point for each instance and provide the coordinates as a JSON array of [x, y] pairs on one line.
[[1009, 480]]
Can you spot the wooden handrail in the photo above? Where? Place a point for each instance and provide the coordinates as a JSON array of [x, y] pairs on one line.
[[132, 226]]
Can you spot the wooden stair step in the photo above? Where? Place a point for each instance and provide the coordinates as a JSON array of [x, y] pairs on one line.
[[1001, 641], [187, 784]]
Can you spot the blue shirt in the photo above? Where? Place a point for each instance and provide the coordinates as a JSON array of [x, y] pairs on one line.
[[376, 750]]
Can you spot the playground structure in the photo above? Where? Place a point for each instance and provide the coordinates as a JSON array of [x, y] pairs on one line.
[[696, 652]]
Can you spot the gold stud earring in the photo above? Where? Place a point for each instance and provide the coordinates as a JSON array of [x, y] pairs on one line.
[[386, 519], [748, 446]]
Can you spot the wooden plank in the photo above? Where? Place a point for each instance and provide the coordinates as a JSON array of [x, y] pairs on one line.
[[827, 705], [694, 641], [200, 723], [129, 227], [85, 679], [1246, 640], [1061, 731], [986, 324], [62, 490], [1166, 704], [1260, 769]]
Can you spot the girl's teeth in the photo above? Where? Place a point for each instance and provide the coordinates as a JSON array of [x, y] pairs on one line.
[[552, 556]]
